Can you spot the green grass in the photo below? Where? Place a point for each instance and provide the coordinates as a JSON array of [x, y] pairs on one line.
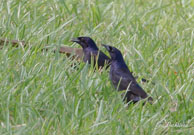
[[44, 93]]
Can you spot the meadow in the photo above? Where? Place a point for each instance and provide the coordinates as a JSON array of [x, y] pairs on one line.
[[42, 92]]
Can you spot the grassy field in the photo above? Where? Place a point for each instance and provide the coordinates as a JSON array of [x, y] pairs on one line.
[[48, 93]]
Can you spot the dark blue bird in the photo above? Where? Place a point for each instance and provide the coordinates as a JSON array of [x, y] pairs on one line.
[[91, 52], [122, 78]]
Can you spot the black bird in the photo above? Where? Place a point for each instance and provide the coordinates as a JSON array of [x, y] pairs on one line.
[[91, 52], [123, 79], [90, 49]]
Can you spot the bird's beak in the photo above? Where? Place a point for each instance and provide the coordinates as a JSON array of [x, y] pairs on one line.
[[107, 47], [75, 40]]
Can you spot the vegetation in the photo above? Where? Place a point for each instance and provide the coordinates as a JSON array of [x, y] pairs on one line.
[[49, 93]]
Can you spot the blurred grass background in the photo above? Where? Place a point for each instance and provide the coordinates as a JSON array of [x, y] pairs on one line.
[[43, 93]]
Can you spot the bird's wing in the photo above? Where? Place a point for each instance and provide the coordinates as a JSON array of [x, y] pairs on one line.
[[137, 90], [122, 76], [124, 73], [103, 56], [125, 77]]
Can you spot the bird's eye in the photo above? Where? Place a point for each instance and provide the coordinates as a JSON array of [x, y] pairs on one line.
[[82, 39]]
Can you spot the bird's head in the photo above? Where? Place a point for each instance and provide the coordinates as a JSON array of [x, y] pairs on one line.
[[114, 52], [85, 42]]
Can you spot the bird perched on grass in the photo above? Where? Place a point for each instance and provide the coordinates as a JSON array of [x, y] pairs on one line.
[[123, 79], [91, 52]]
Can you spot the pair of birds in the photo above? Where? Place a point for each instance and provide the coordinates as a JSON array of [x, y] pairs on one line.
[[120, 75]]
